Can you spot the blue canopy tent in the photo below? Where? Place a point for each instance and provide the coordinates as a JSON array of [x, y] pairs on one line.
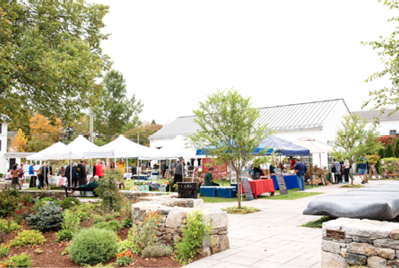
[[281, 147]]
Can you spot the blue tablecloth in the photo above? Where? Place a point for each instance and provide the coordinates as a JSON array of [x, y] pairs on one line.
[[290, 181]]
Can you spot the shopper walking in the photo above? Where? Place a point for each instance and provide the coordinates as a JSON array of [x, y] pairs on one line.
[[300, 170], [98, 169], [347, 167], [337, 172], [363, 168], [21, 175], [75, 174], [43, 177], [292, 163], [68, 171], [81, 170], [179, 172]]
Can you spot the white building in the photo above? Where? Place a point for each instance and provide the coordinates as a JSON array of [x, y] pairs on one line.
[[3, 147], [318, 120], [388, 125]]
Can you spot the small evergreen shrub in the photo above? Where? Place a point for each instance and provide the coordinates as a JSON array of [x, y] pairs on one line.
[[116, 214], [49, 218], [22, 260], [157, 250], [108, 217], [28, 237], [8, 226], [111, 225], [389, 151], [69, 202], [93, 245], [108, 191]]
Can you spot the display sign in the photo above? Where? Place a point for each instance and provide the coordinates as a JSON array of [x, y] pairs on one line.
[[280, 180], [144, 188], [246, 186], [374, 171], [218, 171], [334, 234]]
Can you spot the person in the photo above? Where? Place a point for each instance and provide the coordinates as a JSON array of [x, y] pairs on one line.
[[43, 177], [300, 170], [14, 176], [88, 171], [75, 174], [93, 184], [337, 173], [363, 168], [112, 165], [292, 162], [148, 164], [98, 169], [172, 168], [190, 169], [179, 172], [50, 168], [347, 167], [163, 168], [81, 170], [257, 172], [8, 175], [208, 180], [21, 174], [62, 171], [272, 167], [31, 172], [68, 174]]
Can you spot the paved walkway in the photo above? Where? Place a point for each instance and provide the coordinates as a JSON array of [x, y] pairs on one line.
[[272, 237]]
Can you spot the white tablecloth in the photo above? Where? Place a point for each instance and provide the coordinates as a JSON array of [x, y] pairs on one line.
[[56, 180]]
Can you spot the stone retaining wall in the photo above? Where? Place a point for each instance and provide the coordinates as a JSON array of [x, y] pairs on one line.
[[174, 211], [367, 244], [40, 194]]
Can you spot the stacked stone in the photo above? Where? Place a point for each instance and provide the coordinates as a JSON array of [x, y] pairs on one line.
[[144, 196], [367, 244], [174, 213]]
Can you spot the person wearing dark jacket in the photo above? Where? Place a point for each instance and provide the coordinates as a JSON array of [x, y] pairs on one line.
[[75, 175], [81, 170], [91, 186], [43, 177], [68, 174]]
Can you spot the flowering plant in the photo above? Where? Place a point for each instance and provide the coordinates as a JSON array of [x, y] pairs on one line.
[[124, 258]]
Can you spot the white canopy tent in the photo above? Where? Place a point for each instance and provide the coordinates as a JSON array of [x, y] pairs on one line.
[[50, 153], [75, 149], [315, 147]]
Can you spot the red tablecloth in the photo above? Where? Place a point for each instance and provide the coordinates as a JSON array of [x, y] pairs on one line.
[[260, 186]]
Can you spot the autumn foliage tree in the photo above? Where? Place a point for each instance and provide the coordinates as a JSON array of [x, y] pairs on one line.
[[143, 132], [43, 133], [19, 142]]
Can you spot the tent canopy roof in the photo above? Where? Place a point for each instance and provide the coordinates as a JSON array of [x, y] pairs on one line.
[[315, 147], [49, 153], [281, 146]]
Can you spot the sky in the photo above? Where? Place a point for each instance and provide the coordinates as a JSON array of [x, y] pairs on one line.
[[173, 53]]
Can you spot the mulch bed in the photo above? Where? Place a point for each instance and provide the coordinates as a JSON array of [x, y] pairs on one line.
[[51, 256]]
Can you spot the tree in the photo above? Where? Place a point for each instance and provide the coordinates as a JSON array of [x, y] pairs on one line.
[[382, 155], [20, 120], [43, 133], [50, 56], [114, 109], [388, 49], [153, 122], [389, 151], [143, 132], [397, 148], [354, 140], [19, 142], [228, 130]]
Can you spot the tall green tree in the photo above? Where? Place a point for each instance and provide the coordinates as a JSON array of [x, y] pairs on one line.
[[389, 151], [388, 49], [381, 153], [50, 57], [396, 153], [114, 110], [228, 130], [354, 139]]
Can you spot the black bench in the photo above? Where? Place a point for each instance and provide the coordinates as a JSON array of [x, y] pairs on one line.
[[80, 190]]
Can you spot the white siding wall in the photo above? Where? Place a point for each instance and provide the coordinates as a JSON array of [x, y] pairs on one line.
[[156, 143], [333, 122], [385, 126], [3, 139]]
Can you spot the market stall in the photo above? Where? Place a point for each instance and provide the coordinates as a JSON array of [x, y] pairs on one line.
[[291, 182], [259, 187]]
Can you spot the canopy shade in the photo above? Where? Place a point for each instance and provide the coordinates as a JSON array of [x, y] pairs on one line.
[[280, 146], [121, 147], [75, 149], [315, 147], [50, 153]]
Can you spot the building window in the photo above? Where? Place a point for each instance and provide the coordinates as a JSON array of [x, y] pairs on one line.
[[392, 132]]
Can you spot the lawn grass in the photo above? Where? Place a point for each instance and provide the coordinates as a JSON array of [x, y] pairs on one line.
[[317, 223], [351, 186]]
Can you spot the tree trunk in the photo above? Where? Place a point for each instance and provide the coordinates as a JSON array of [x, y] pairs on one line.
[[239, 188], [351, 176]]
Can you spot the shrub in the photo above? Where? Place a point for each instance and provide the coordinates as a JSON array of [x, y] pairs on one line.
[[9, 201], [108, 217], [69, 202], [97, 219], [108, 190], [1, 175], [126, 222], [22, 260], [145, 233], [373, 159], [396, 153], [41, 203], [27, 199], [116, 214], [69, 227], [4, 250], [8, 226], [112, 225], [128, 244], [49, 199], [85, 211], [93, 245], [157, 250], [194, 230], [28, 237], [389, 151], [49, 218]]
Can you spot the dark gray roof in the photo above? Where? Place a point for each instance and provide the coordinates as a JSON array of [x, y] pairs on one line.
[[284, 117], [370, 115]]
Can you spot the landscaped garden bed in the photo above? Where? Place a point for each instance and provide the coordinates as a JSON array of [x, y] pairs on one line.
[[46, 232]]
